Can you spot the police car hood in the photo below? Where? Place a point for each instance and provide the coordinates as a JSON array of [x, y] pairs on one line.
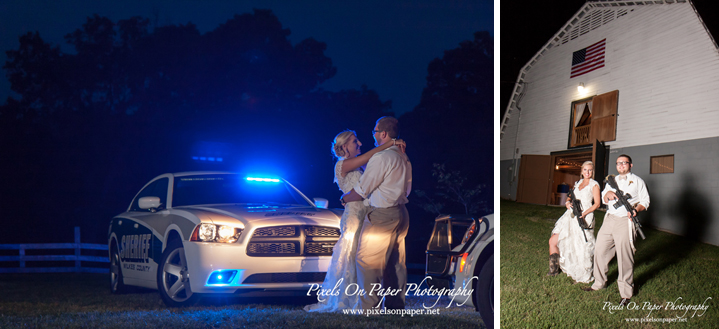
[[247, 213]]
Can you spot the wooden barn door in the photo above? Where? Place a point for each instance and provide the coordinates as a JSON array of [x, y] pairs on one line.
[[534, 179], [604, 117]]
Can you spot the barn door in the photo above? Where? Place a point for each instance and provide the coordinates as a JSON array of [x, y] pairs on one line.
[[604, 117], [599, 158], [534, 179]]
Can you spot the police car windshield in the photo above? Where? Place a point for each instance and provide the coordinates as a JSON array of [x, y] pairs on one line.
[[231, 188]]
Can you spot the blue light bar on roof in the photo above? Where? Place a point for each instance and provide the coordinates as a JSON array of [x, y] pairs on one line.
[[256, 179], [207, 159]]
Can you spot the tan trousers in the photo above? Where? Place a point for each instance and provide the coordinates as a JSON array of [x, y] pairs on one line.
[[613, 238], [381, 257]]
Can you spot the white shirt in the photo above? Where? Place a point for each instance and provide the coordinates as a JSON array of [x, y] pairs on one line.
[[633, 186], [387, 180]]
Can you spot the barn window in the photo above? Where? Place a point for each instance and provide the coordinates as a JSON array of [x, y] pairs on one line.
[[581, 119], [593, 119], [662, 164]]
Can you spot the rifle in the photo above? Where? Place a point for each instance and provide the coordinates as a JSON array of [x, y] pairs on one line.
[[623, 200], [577, 209]]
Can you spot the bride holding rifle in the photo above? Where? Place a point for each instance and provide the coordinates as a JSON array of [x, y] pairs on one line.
[[571, 247]]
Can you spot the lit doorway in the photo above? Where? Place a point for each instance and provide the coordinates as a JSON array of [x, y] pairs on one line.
[[566, 171]]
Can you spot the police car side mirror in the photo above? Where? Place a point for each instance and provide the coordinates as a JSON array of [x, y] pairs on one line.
[[149, 202], [321, 203]]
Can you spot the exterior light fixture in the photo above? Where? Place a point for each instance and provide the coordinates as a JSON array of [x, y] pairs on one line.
[[580, 88]]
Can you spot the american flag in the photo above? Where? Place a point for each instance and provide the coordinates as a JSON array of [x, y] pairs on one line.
[[588, 59]]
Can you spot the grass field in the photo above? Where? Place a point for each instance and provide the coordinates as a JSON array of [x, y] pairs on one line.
[[668, 269], [84, 301]]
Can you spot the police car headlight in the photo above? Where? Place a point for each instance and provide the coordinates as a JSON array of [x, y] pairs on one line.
[[226, 234], [207, 232]]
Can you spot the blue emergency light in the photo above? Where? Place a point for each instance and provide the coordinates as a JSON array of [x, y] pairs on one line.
[[207, 159], [221, 277], [258, 179]]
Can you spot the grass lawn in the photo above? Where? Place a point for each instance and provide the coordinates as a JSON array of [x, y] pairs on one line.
[[668, 269], [84, 301]]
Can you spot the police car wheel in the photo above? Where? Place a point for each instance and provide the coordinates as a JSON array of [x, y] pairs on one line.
[[173, 279], [116, 281], [484, 293]]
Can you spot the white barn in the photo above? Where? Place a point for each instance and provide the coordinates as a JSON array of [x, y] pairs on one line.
[[650, 72]]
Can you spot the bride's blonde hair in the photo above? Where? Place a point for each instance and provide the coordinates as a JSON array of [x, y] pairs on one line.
[[584, 164], [340, 140]]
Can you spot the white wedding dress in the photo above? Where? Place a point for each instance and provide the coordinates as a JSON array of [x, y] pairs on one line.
[[343, 265], [576, 256]]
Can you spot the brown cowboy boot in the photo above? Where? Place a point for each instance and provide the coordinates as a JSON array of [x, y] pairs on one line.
[[553, 264]]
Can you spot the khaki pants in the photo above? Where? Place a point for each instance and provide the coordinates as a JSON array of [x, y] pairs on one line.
[[381, 257], [613, 238]]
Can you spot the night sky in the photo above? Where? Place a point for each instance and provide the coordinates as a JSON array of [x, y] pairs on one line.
[[386, 45], [525, 27]]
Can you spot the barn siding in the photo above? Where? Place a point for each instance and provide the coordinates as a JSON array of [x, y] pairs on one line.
[[661, 60]]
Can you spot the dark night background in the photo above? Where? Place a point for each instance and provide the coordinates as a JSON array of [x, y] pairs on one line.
[[125, 99], [526, 26]]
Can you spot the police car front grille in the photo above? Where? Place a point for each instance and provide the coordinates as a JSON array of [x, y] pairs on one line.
[[322, 231], [271, 248], [300, 240], [275, 231], [304, 277], [318, 248]]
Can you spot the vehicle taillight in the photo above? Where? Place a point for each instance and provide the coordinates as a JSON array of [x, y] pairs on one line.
[[463, 262]]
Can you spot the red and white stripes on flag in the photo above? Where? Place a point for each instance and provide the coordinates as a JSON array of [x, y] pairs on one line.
[[588, 59]]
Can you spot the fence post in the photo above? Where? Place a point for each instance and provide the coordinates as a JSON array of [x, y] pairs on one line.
[[77, 248]]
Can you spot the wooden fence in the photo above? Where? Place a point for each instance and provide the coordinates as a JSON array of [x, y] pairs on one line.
[[77, 257]]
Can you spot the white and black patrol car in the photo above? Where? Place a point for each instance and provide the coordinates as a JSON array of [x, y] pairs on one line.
[[194, 233], [460, 255]]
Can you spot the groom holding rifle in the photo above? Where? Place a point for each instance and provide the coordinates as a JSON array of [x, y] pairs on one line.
[[618, 230]]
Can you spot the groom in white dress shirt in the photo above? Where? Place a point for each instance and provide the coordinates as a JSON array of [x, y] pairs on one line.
[[384, 186]]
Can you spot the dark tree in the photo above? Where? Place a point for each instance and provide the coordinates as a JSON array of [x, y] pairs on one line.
[[453, 124], [244, 66], [35, 72]]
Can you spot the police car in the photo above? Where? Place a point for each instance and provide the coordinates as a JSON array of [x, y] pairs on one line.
[[195, 233], [460, 255]]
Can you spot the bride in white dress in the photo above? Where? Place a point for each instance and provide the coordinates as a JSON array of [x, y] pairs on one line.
[[567, 248], [348, 170]]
